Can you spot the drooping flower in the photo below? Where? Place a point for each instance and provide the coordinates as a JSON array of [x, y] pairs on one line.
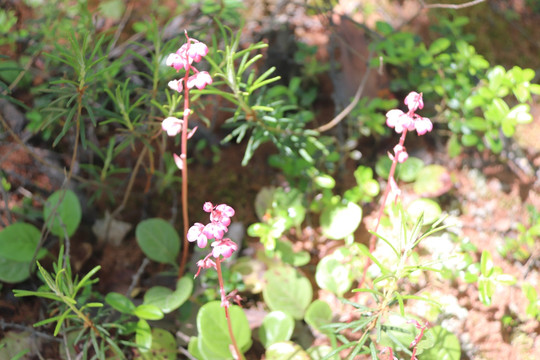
[[205, 263], [414, 101], [423, 125], [199, 80], [176, 85], [172, 125], [178, 61], [196, 233], [225, 247], [197, 50], [399, 120], [215, 230]]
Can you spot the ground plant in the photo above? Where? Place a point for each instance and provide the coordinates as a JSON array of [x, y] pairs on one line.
[[322, 235]]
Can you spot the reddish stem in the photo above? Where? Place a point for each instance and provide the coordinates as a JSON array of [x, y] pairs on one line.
[[183, 155], [227, 315], [373, 237]]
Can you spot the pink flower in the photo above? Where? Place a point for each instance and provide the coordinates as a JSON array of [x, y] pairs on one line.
[[225, 247], [178, 61], [196, 233], [222, 214], [215, 230], [197, 50], [205, 263], [414, 101], [176, 85], [172, 125], [199, 80], [399, 120], [423, 125]]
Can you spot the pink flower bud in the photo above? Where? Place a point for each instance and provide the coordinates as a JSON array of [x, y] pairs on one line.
[[178, 161], [208, 207]]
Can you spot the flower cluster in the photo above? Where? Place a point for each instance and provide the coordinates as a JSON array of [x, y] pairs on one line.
[[192, 50], [410, 120], [220, 218], [403, 122]]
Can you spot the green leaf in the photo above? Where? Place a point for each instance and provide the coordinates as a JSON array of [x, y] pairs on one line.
[[287, 290], [334, 276], [429, 208], [163, 346], [213, 330], [318, 314], [62, 210], [439, 46], [18, 242], [143, 336], [446, 345], [166, 299], [277, 326], [340, 220], [286, 350], [408, 171], [120, 302], [148, 312], [158, 240], [432, 180], [486, 264], [325, 181]]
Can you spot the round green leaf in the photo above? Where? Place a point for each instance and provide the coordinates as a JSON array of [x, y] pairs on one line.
[[287, 290], [276, 326], [120, 302], [431, 210], [446, 345], [339, 221], [333, 275], [158, 240], [408, 171], [213, 331], [286, 350], [62, 210], [148, 312], [318, 314], [18, 242], [166, 299], [432, 180], [163, 346]]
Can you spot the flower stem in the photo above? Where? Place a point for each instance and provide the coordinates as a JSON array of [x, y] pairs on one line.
[[183, 155], [238, 354], [373, 236]]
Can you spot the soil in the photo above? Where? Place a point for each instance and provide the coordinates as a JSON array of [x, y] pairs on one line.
[[487, 198]]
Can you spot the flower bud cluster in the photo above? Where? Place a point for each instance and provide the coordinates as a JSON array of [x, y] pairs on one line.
[[220, 218], [401, 121]]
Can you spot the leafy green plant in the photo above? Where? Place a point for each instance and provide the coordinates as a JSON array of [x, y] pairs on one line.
[[487, 276], [522, 247], [475, 97], [72, 303]]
